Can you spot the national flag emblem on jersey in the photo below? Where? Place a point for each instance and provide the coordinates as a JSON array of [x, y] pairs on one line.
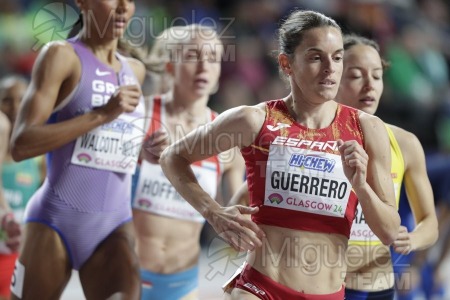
[[147, 284]]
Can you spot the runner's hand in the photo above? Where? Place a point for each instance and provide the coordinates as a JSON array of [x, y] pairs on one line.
[[235, 228], [354, 161], [403, 243], [13, 232], [154, 145], [124, 100]]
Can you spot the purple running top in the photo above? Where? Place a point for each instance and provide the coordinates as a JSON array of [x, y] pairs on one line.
[[86, 194]]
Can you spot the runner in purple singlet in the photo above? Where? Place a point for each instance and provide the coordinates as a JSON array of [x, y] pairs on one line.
[[84, 107]]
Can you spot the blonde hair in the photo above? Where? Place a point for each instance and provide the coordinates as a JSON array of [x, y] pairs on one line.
[[164, 48]]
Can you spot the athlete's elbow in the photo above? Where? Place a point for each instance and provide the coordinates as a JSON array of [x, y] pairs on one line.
[[150, 157], [19, 152], [390, 234], [171, 161], [434, 237], [19, 146], [388, 237], [163, 158], [434, 231]]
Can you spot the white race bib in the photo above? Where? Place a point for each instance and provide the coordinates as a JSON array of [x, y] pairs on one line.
[[17, 279], [113, 146], [361, 233], [307, 181], [156, 194]]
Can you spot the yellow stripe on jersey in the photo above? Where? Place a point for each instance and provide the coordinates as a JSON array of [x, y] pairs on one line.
[[397, 164]]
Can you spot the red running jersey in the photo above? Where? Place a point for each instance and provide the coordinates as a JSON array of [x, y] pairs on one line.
[[295, 174]]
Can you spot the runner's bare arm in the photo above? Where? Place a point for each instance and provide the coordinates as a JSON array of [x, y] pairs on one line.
[[240, 125], [376, 194], [420, 195], [56, 65]]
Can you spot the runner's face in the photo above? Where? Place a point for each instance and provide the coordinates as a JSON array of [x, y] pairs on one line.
[[362, 81], [107, 18], [10, 99], [198, 66], [317, 64]]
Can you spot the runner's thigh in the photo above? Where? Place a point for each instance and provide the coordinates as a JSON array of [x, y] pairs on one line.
[[112, 272], [46, 265]]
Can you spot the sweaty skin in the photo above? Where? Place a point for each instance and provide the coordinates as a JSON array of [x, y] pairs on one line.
[[56, 73], [161, 236], [312, 107], [370, 266]]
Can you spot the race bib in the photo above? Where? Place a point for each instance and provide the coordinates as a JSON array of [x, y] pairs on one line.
[[361, 234], [113, 146], [307, 181], [156, 194], [17, 279]]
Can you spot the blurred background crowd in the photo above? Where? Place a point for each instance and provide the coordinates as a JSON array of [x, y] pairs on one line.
[[414, 36]]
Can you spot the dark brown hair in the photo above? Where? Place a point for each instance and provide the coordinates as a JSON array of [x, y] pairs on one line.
[[351, 40], [291, 31]]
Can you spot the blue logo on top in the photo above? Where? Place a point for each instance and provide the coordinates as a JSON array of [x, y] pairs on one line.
[[312, 162], [118, 125]]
